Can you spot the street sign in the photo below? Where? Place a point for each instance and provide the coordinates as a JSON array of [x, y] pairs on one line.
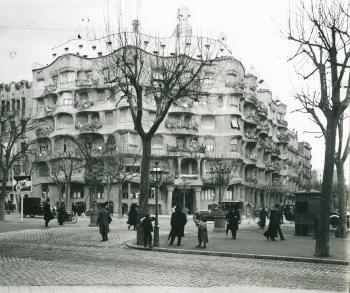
[[18, 187]]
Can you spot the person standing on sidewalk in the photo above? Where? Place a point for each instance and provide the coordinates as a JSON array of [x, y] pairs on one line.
[[280, 221], [271, 232], [178, 222], [202, 232], [147, 228], [48, 216], [233, 219], [103, 221], [262, 218], [132, 219], [61, 213]]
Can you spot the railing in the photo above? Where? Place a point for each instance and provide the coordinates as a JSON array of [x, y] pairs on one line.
[[181, 124], [282, 122], [250, 135], [184, 149], [84, 104], [50, 109], [282, 137], [251, 179], [252, 99], [50, 88], [89, 126], [44, 131]]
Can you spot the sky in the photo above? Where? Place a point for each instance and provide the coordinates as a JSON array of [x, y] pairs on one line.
[[30, 29]]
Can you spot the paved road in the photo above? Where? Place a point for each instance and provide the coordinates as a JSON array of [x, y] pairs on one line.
[[75, 256]]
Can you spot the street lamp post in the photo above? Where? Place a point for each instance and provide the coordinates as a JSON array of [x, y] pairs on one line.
[[185, 186], [220, 175], [156, 174]]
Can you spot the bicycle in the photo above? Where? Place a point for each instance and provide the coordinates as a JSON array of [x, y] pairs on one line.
[[70, 218]]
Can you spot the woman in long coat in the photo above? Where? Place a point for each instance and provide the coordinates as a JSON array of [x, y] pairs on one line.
[[132, 220], [47, 212], [103, 220], [233, 219], [262, 218], [178, 222], [271, 232]]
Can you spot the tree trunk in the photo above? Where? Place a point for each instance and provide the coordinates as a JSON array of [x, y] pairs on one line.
[[67, 193], [3, 195], [120, 204], [322, 239], [342, 204], [144, 186]]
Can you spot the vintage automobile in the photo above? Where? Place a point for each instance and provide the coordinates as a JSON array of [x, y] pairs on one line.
[[32, 206], [334, 219]]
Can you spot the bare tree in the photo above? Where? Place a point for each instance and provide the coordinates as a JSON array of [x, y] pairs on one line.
[[321, 31], [340, 158], [14, 146], [62, 168], [151, 72], [118, 168]]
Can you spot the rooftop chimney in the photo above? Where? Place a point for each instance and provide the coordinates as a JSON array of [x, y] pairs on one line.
[[135, 26]]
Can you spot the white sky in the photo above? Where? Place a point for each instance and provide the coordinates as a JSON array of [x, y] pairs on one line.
[[31, 28]]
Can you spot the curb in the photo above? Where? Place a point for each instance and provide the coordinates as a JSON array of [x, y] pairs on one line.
[[241, 255]]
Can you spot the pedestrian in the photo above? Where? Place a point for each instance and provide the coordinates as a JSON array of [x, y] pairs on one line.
[[178, 222], [280, 221], [111, 208], [103, 221], [271, 232], [262, 218], [132, 217], [233, 219], [147, 228], [61, 214], [74, 208], [202, 232], [248, 212], [48, 216]]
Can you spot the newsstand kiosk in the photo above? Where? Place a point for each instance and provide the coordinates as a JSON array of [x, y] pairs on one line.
[[307, 205]]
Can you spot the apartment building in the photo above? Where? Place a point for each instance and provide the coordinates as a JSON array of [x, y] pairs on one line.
[[236, 121], [15, 100]]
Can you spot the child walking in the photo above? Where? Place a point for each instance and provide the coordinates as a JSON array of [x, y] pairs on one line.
[[202, 232]]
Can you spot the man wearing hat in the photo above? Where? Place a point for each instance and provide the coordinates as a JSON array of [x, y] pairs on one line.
[[103, 221]]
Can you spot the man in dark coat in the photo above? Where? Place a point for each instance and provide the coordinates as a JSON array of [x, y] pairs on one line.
[[61, 213], [233, 219], [262, 218], [280, 221], [178, 222], [147, 228], [103, 220], [47, 212]]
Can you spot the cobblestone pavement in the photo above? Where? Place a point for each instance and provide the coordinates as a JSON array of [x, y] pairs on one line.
[[75, 256]]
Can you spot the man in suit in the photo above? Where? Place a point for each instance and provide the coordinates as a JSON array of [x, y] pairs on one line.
[[103, 221]]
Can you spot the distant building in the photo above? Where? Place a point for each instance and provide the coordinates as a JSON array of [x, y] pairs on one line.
[[16, 99], [236, 121]]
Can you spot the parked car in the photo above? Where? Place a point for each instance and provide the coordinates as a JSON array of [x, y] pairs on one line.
[[334, 219], [32, 206]]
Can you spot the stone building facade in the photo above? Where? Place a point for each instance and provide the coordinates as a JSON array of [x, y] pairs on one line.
[[235, 121], [16, 99]]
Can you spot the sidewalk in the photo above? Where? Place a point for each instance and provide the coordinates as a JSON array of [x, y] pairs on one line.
[[250, 243]]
